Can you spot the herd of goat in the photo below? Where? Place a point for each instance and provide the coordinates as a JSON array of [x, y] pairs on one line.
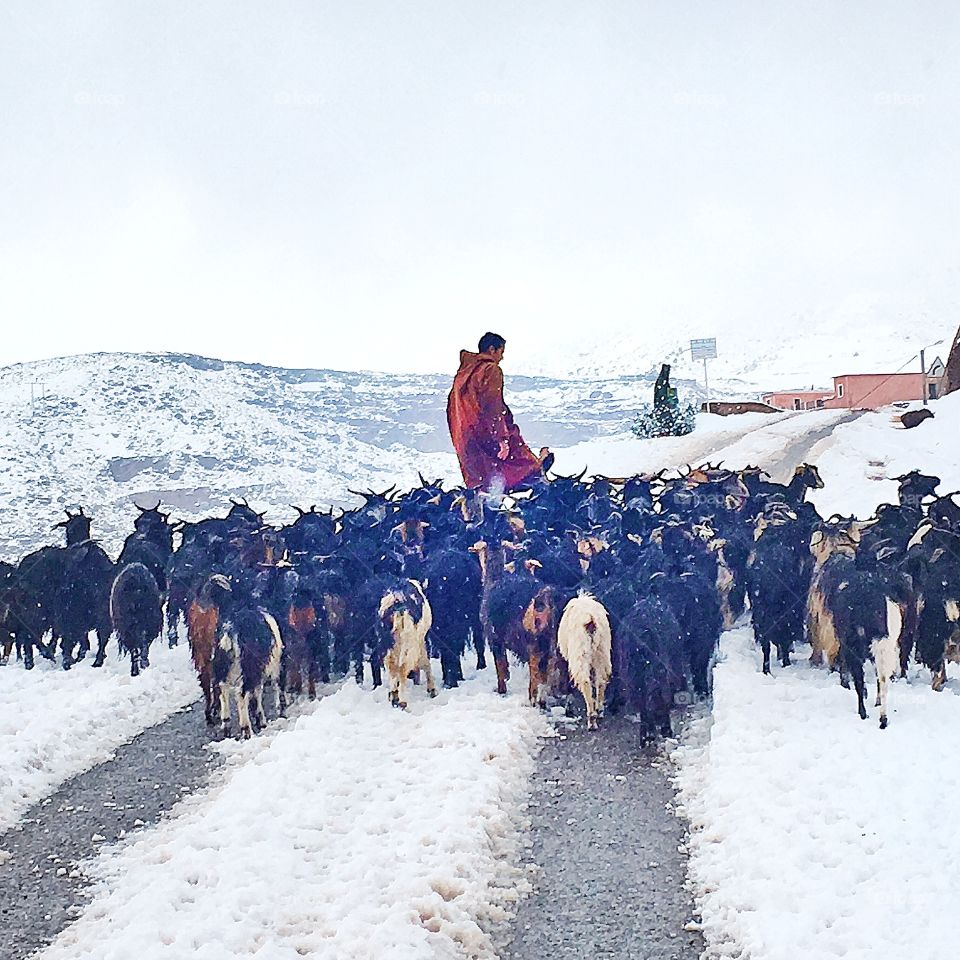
[[625, 584]]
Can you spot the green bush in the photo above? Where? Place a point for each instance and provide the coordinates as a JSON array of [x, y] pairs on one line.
[[664, 421]]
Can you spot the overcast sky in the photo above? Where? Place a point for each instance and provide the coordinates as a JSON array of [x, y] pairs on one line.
[[373, 185]]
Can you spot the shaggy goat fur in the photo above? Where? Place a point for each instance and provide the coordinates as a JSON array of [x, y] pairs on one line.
[[136, 613], [583, 639], [203, 626]]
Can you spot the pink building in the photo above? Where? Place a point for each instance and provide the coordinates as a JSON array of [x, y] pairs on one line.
[[867, 391], [798, 399]]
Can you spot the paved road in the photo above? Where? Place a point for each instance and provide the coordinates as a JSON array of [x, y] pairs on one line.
[[145, 779], [612, 877]]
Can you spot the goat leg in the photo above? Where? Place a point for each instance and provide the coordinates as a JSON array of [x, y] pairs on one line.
[[480, 646], [431, 686], [765, 646], [102, 639], [503, 672], [856, 671], [207, 687]]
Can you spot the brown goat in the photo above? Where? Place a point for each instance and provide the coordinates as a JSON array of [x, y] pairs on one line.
[[203, 624]]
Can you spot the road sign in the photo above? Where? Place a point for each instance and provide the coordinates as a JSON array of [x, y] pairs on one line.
[[703, 349]]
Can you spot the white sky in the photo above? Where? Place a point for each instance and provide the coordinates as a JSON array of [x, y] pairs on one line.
[[373, 185]]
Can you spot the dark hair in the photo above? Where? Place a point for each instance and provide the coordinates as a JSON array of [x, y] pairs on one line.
[[490, 341]]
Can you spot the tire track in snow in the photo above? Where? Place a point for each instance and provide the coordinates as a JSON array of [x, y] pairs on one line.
[[39, 883], [611, 852]]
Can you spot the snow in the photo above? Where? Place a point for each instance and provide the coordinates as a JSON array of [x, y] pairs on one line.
[[738, 441], [814, 833], [56, 724], [784, 352], [353, 830], [857, 463]]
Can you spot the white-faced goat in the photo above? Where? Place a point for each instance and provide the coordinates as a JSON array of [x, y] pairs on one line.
[[248, 655], [583, 639], [403, 620]]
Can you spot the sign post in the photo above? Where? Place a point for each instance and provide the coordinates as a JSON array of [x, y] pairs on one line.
[[704, 350]]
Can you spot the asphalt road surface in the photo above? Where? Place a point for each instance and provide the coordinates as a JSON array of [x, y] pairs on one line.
[[610, 853]]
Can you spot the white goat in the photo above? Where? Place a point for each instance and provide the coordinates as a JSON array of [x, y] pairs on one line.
[[405, 618], [583, 638]]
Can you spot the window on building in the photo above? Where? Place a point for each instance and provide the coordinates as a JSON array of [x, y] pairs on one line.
[[840, 390], [932, 391], [797, 403], [820, 404]]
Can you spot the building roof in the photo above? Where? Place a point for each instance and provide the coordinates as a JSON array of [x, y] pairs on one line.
[[886, 376]]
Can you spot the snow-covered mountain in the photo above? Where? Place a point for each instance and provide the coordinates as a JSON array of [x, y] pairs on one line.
[[780, 354], [104, 430]]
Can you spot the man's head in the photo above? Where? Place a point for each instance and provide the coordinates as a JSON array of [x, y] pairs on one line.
[[492, 344]]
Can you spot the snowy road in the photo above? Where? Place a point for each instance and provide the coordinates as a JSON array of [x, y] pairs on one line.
[[39, 877], [452, 921], [610, 854]]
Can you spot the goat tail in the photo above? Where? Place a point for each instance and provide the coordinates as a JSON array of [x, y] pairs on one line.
[[583, 637]]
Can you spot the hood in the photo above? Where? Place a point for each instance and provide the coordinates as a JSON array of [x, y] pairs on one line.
[[469, 361]]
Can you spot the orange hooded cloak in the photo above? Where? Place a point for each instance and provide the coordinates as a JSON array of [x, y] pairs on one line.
[[479, 419]]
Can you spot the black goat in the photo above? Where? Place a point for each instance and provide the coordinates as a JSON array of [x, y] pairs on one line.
[[136, 613]]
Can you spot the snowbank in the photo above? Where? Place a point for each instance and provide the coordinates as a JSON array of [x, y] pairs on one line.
[[55, 724], [816, 834], [858, 460], [739, 441], [352, 831]]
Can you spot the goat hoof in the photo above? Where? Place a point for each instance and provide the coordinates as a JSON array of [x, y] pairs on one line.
[[432, 693], [98, 662], [883, 723]]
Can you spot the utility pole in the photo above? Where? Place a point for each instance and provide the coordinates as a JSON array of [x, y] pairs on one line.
[[951, 376], [923, 370]]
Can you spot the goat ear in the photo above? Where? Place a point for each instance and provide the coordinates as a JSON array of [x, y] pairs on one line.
[[816, 538]]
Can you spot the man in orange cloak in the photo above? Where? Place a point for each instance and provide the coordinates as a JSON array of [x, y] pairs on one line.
[[492, 454]]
